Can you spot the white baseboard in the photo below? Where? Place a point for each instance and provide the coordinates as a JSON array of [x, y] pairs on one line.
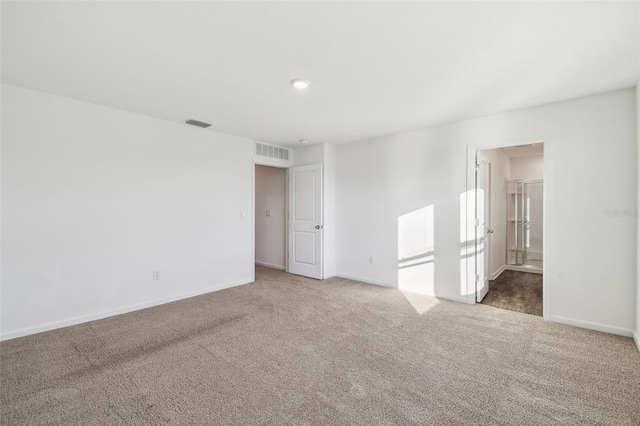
[[112, 312], [270, 265], [636, 338], [498, 272], [326, 277], [592, 325], [364, 280], [459, 299]]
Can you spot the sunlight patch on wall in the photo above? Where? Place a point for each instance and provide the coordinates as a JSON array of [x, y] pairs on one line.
[[467, 241], [480, 238], [416, 256]]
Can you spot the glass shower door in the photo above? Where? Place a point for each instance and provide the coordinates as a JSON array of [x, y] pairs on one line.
[[524, 223]]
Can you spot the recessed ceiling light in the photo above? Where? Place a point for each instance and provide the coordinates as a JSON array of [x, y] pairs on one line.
[[304, 141], [299, 83]]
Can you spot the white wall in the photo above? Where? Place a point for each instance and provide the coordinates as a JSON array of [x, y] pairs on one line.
[[308, 154], [270, 230], [95, 199], [380, 180], [329, 232], [325, 154], [637, 332], [527, 167], [500, 174]]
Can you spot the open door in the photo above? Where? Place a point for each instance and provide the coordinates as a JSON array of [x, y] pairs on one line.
[[483, 228], [305, 220]]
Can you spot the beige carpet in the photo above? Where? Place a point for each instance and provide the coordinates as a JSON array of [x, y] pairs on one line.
[[290, 350]]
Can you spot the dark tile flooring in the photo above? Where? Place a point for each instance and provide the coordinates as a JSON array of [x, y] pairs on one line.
[[516, 291]]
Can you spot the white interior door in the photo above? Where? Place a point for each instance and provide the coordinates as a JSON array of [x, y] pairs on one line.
[[305, 220], [483, 228]]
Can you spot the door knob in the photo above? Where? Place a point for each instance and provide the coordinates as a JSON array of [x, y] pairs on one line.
[[489, 231], [318, 226]]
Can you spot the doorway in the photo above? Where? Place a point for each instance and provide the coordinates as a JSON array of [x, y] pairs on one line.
[[509, 183], [270, 216]]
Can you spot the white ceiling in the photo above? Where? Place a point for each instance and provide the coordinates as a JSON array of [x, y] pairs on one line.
[[531, 150], [375, 68]]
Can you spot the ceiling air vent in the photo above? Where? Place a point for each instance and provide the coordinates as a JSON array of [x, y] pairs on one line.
[[198, 123], [271, 151]]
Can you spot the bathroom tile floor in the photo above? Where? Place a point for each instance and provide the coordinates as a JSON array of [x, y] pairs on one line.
[[516, 291]]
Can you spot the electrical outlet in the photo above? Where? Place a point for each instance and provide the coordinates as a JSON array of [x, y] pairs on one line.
[[156, 275], [371, 260]]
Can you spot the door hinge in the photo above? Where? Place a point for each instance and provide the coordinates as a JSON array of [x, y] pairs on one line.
[[477, 277], [477, 167]]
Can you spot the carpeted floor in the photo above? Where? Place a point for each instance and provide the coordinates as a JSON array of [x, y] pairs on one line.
[[291, 350], [516, 291]]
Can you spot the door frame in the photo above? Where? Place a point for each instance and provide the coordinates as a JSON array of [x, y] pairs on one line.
[[266, 162], [472, 153], [488, 225]]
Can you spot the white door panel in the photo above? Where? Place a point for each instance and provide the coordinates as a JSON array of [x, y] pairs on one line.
[[304, 196], [304, 245], [483, 228], [305, 220]]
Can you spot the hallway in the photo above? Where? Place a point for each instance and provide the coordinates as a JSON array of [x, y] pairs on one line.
[[516, 291]]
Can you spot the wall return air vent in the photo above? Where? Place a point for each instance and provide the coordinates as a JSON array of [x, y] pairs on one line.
[[198, 123], [271, 151]]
